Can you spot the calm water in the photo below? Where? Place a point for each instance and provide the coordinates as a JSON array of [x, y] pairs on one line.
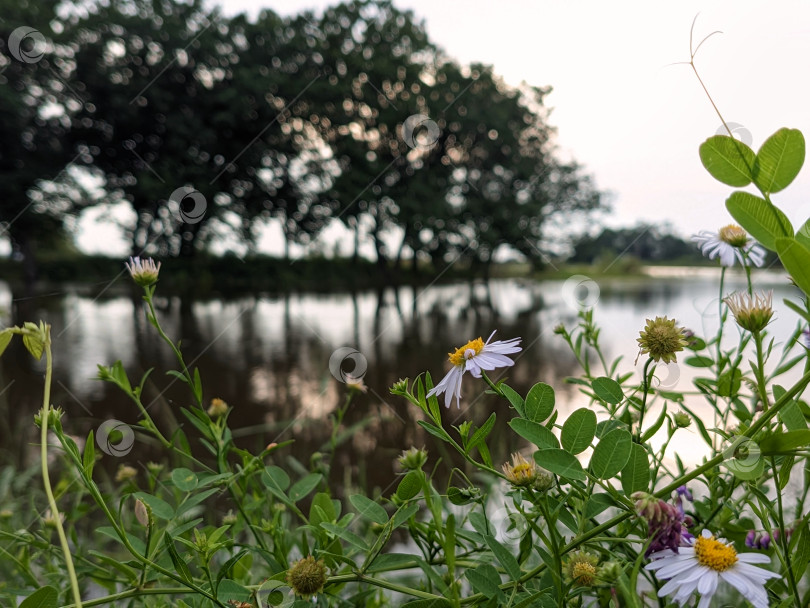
[[268, 356]]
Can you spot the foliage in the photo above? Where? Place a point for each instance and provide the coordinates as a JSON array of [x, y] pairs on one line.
[[304, 120]]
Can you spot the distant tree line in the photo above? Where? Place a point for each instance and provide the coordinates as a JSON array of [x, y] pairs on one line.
[[210, 125], [645, 242]]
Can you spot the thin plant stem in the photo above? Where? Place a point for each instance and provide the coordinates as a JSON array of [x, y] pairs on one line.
[[46, 411]]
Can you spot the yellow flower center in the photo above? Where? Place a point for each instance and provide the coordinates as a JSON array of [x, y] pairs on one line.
[[523, 471], [714, 554], [476, 346], [583, 573], [733, 235]]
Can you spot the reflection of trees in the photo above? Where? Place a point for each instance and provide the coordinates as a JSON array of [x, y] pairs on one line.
[[268, 358]]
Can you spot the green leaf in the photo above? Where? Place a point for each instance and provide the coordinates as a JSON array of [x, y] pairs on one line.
[[796, 259], [656, 425], [434, 430], [440, 603], [276, 478], [611, 454], [184, 480], [304, 486], [34, 345], [636, 473], [229, 591], [802, 235], [159, 507], [504, 557], [179, 564], [791, 414], [699, 361], [322, 502], [89, 456], [410, 485], [369, 509], [779, 160], [482, 433], [5, 340], [728, 160], [514, 399], [197, 385], [226, 567], [763, 220], [598, 503], [578, 430], [539, 402], [534, 432], [347, 535], [784, 442], [560, 463], [800, 551], [403, 514], [607, 389], [486, 581], [44, 597]]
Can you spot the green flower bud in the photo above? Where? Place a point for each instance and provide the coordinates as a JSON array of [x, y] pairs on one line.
[[413, 458], [307, 577]]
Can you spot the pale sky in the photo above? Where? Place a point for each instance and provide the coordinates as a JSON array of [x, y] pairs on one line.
[[622, 110]]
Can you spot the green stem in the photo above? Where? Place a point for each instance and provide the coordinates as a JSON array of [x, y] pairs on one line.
[[759, 372], [645, 389], [179, 355], [362, 578], [109, 599], [46, 411], [780, 520]]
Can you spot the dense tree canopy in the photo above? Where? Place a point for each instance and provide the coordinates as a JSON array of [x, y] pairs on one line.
[[210, 125]]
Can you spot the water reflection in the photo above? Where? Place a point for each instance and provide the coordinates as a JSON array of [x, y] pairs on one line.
[[268, 357]]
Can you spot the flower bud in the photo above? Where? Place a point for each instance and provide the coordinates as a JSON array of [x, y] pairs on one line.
[[218, 408], [413, 458], [125, 473], [143, 513], [520, 472], [681, 420], [400, 387], [143, 272], [752, 312], [307, 577]]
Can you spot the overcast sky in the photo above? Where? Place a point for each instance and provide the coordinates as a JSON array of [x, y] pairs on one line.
[[622, 109]]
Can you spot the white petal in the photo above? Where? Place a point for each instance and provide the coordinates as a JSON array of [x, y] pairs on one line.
[[754, 558], [707, 584]]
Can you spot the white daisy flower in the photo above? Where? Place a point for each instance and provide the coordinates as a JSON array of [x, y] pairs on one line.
[[731, 242], [474, 356], [702, 565]]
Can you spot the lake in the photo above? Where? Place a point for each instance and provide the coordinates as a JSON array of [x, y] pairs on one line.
[[268, 357]]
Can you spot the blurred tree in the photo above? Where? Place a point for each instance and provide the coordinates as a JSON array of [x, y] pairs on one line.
[[175, 96], [454, 158], [33, 125]]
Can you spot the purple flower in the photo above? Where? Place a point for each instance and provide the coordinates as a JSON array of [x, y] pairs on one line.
[[665, 523]]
